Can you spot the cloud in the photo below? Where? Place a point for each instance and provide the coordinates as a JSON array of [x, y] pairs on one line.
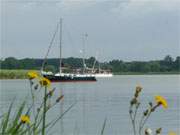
[[61, 5], [145, 6], [70, 5], [151, 26]]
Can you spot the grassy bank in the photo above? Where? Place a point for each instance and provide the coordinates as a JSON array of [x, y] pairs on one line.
[[148, 73], [13, 74]]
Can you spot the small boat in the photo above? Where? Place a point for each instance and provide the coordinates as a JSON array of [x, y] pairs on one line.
[[103, 75], [100, 73], [65, 77]]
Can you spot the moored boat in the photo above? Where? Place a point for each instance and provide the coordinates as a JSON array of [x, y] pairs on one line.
[[103, 75], [65, 77]]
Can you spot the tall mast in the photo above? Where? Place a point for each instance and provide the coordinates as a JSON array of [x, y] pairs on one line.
[[83, 39], [60, 47]]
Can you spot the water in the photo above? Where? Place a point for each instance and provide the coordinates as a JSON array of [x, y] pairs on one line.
[[107, 98]]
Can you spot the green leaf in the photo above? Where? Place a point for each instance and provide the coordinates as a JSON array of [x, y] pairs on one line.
[[6, 119]]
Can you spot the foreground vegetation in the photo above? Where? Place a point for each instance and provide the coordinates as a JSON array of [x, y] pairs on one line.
[[31, 118], [135, 104], [166, 65]]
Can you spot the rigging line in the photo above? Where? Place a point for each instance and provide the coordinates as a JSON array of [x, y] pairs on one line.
[[70, 28], [51, 43], [69, 36], [68, 33]]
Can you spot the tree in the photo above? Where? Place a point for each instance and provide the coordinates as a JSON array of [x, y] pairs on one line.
[[155, 66], [168, 59], [177, 64], [50, 68], [10, 63]]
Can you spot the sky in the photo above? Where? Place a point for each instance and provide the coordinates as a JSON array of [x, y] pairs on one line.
[[117, 29]]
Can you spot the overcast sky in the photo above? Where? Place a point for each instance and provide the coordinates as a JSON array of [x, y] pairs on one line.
[[117, 29]]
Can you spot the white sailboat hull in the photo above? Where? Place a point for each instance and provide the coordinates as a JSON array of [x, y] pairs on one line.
[[103, 75]]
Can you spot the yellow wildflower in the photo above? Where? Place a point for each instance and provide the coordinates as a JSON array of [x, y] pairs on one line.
[[44, 82], [161, 101], [25, 119], [32, 75], [171, 133]]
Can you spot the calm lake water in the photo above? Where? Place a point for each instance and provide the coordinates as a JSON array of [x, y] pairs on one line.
[[107, 98]]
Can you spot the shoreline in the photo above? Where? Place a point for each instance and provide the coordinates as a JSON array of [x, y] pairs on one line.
[[148, 73], [22, 74]]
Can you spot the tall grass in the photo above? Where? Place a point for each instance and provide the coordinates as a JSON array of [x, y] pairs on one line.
[[13, 74]]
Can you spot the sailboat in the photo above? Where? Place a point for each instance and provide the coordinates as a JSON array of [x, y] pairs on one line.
[[64, 77], [100, 73]]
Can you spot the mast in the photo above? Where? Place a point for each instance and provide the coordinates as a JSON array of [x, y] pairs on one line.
[[83, 39], [60, 47]]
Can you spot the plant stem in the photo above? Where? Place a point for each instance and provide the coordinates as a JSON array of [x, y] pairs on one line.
[[17, 128], [140, 124], [132, 120], [44, 112], [32, 94], [143, 123]]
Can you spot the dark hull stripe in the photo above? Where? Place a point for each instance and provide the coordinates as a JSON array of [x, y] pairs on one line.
[[69, 79], [73, 81]]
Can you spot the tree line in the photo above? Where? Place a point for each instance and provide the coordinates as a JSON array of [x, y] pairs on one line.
[[168, 64]]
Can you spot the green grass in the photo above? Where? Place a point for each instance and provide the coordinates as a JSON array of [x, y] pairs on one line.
[[13, 74], [147, 73]]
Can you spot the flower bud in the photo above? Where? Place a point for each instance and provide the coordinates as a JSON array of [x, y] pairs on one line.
[[36, 86], [151, 104], [133, 101], [148, 131], [50, 93], [146, 112], [138, 89], [158, 131], [59, 98]]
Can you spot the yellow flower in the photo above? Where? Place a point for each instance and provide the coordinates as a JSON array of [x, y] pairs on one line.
[[44, 82], [25, 119], [161, 101], [171, 133], [32, 75]]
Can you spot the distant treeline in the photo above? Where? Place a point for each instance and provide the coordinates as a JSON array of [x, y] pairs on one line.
[[168, 64]]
